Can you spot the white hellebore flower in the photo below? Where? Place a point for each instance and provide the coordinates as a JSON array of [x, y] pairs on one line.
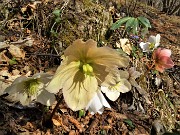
[[115, 83], [32, 88], [83, 69], [97, 104], [133, 74], [153, 42]]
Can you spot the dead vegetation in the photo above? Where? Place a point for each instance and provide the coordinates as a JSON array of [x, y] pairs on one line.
[[32, 39]]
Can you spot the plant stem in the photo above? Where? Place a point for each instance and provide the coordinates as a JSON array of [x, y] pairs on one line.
[[145, 74], [56, 107]]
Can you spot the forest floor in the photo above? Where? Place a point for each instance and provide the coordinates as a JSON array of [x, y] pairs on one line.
[[32, 27]]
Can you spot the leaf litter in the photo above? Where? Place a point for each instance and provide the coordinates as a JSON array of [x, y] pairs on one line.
[[33, 53]]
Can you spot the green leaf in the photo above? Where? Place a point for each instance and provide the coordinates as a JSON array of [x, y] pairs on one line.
[[130, 22], [54, 34], [13, 61], [144, 21], [118, 23], [58, 20], [129, 122], [132, 25], [81, 113], [135, 26], [57, 12]]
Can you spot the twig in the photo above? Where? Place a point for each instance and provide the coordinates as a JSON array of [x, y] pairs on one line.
[[56, 107], [43, 54]]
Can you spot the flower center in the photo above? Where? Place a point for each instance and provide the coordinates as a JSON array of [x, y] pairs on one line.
[[87, 69], [151, 46], [31, 86], [115, 87]]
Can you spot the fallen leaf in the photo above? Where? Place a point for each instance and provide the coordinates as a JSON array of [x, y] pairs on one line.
[[6, 80], [3, 45], [76, 123], [56, 122], [16, 52], [3, 57], [126, 46]]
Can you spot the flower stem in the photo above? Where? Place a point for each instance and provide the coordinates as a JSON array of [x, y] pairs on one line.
[[145, 74], [56, 107], [47, 122]]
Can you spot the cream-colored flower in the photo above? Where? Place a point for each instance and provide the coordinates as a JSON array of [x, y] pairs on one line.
[[84, 67], [153, 42], [28, 89], [133, 74], [97, 104], [115, 83]]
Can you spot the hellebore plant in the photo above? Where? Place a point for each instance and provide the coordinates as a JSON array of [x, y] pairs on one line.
[[115, 83], [84, 67], [97, 103], [133, 75], [153, 42], [28, 89], [162, 59]]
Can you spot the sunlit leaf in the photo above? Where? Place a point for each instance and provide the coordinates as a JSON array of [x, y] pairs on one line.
[[57, 12], [129, 122], [144, 21], [118, 23]]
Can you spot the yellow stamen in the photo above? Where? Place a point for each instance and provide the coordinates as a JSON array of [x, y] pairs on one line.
[[115, 87], [87, 69], [31, 86], [151, 46]]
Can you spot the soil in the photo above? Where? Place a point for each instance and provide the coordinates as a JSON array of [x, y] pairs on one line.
[[33, 27]]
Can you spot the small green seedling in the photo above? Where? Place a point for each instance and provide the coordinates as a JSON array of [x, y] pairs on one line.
[[133, 25]]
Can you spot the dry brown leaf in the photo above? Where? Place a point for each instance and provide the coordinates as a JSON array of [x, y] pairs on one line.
[[3, 45], [16, 52], [118, 115], [126, 46], [24, 42], [15, 72], [76, 123], [57, 121], [4, 83], [3, 57], [73, 132]]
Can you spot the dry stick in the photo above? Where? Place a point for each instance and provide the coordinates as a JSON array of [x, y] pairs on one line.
[[53, 55], [56, 107], [140, 79]]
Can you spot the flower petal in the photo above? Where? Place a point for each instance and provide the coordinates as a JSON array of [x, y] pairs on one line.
[[144, 46], [80, 49], [159, 68], [97, 104], [112, 95], [23, 98], [165, 52], [108, 57], [133, 73], [79, 90], [125, 86], [17, 85], [61, 76], [46, 98], [158, 37], [152, 39], [44, 77]]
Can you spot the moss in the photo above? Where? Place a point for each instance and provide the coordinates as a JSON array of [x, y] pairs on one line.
[[91, 21]]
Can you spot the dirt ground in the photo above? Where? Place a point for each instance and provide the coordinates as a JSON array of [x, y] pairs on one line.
[[35, 29]]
